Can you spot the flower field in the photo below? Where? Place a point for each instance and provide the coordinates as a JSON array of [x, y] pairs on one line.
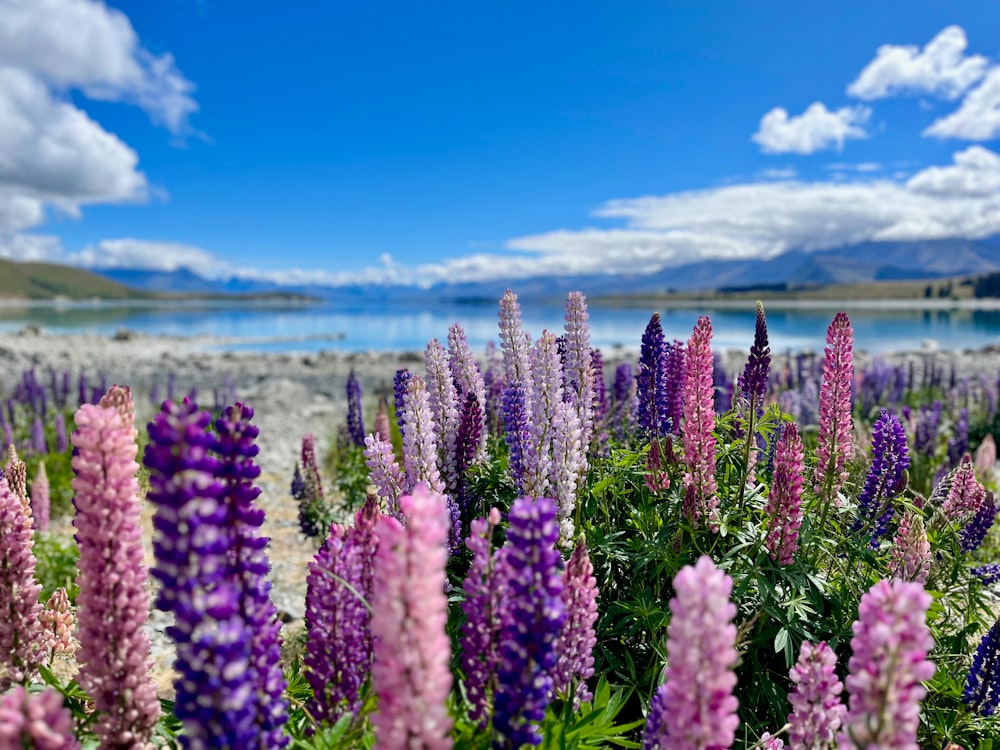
[[527, 549]]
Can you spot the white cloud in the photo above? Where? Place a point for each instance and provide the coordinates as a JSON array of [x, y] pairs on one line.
[[940, 69], [84, 44], [975, 173], [814, 130], [862, 167], [155, 256], [977, 118], [30, 247]]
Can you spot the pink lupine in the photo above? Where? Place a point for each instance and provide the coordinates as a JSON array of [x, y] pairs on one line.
[[910, 559], [113, 603], [834, 440], [468, 379], [443, 400], [40, 504], [22, 638], [576, 642], [382, 428], [767, 742], [694, 708], [119, 398], [887, 668], [986, 457], [963, 498], [59, 625], [410, 673], [17, 478], [700, 500], [784, 503], [579, 366], [817, 711], [36, 720], [419, 441], [384, 472]]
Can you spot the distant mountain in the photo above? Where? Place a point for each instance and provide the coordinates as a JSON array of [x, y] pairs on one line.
[[48, 281], [182, 281]]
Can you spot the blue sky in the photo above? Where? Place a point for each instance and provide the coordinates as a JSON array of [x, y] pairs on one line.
[[415, 142]]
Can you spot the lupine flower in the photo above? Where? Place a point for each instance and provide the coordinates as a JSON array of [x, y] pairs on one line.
[[468, 380], [834, 440], [38, 436], [113, 603], [312, 506], [579, 366], [467, 443], [986, 457], [982, 685], [576, 642], [384, 472], [657, 479], [959, 442], [675, 359], [517, 432], [59, 625], [700, 500], [382, 427], [546, 398], [817, 711], [420, 456], [886, 476], [410, 672], [235, 445], [37, 720], [695, 706], [963, 498], [443, 400], [40, 498], [910, 559], [974, 534], [515, 343], [192, 537], [987, 574], [338, 623], [784, 503], [600, 388], [531, 621], [399, 390], [652, 381], [355, 414], [481, 630], [925, 439], [767, 742], [17, 478], [569, 465], [888, 664], [8, 435], [753, 380]]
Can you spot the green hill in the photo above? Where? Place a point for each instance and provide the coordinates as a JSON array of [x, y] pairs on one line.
[[48, 280]]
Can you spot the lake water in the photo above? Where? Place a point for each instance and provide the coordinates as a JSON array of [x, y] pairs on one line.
[[308, 328]]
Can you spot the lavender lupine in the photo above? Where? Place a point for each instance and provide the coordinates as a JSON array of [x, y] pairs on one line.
[[888, 664], [700, 500], [546, 398], [576, 642], [410, 672], [38, 443], [578, 367], [420, 455], [817, 710], [235, 445], [192, 535], [62, 440], [338, 622], [517, 432], [569, 465], [982, 684], [480, 637], [22, 638], [384, 472], [40, 504], [515, 343], [113, 603], [600, 387], [653, 383], [59, 625], [35, 720], [531, 621], [910, 559], [784, 503], [443, 400], [355, 414], [975, 532], [886, 476], [468, 381], [835, 426], [695, 707]]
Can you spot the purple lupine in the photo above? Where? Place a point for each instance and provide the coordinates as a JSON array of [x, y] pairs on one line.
[[62, 440], [959, 442], [752, 381], [624, 402], [925, 436], [467, 444], [652, 381], [982, 684], [675, 358], [38, 437], [695, 706], [355, 414], [531, 620], [722, 384], [700, 500], [468, 381], [420, 455], [517, 432], [910, 559], [311, 501], [888, 664], [398, 390], [113, 603], [192, 538], [410, 672], [834, 445], [235, 446], [481, 630], [36, 720], [40, 504], [963, 500], [546, 398], [443, 400], [338, 622], [600, 387], [493, 380], [384, 472], [8, 435], [817, 710], [975, 532], [886, 476], [578, 367], [784, 503], [576, 642], [22, 638]]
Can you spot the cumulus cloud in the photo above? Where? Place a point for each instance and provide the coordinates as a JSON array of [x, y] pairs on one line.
[[978, 116], [150, 255], [814, 130], [940, 69]]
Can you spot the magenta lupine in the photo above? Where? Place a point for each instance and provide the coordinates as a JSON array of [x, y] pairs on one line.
[[113, 603], [963, 498], [694, 708], [410, 672], [910, 559], [22, 638], [40, 498], [35, 720], [468, 380], [481, 630], [767, 742], [338, 622], [578, 366], [59, 625], [835, 426], [576, 642], [888, 664], [784, 503], [420, 455], [569, 464], [817, 710], [384, 472], [546, 398], [700, 500]]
